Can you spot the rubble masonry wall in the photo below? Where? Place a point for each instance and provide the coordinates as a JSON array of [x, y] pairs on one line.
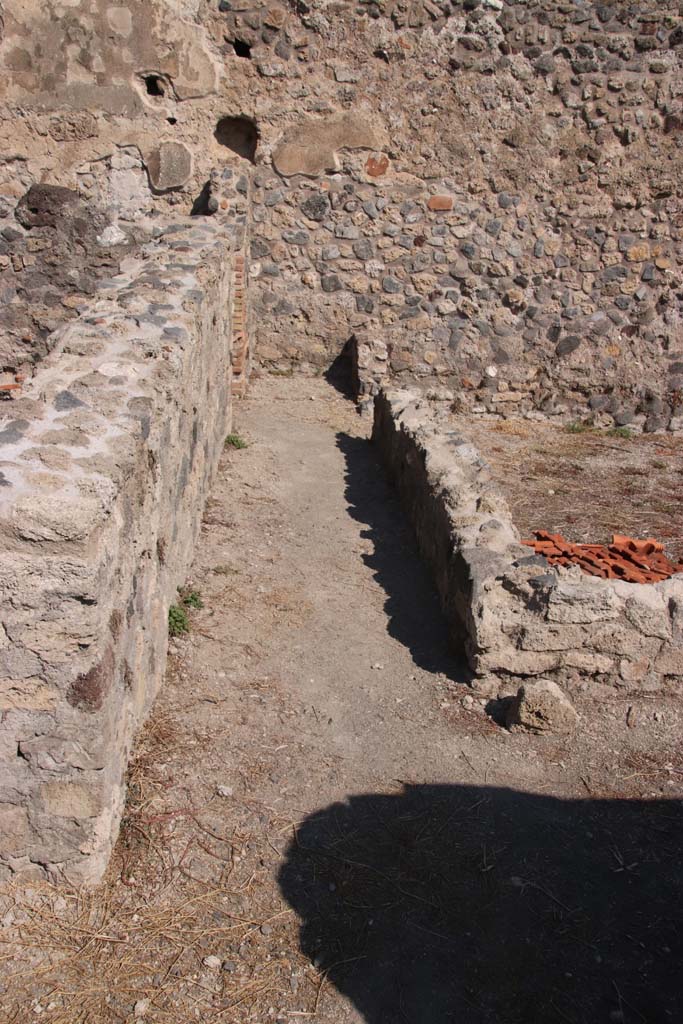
[[105, 463], [515, 615], [494, 187]]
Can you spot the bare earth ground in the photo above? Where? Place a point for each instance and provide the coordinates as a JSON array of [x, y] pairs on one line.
[[324, 825], [587, 484]]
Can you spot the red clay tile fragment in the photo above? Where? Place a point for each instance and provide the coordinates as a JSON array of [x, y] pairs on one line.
[[635, 561]]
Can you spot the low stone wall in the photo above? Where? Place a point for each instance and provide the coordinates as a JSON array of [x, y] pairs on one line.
[[514, 614], [105, 463]]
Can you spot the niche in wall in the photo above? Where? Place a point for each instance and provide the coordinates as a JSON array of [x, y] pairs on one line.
[[241, 48], [155, 85], [238, 134]]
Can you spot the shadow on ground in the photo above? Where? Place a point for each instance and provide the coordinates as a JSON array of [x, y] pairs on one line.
[[412, 605], [466, 904]]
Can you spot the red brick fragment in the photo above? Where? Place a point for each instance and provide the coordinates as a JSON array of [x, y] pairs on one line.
[[440, 203], [377, 166]]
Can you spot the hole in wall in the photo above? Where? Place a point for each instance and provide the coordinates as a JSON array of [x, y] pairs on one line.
[[154, 85], [172, 120], [238, 134], [200, 207], [241, 48]]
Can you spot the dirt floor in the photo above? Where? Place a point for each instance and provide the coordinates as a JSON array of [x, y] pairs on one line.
[[586, 484], [324, 824]]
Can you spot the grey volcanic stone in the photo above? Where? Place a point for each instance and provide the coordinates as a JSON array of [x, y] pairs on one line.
[[169, 166], [295, 237], [316, 207], [66, 400], [567, 345], [259, 247], [391, 285], [13, 432], [349, 231], [362, 249], [331, 283]]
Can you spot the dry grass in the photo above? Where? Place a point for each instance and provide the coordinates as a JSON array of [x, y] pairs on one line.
[[176, 892], [641, 765], [586, 485]]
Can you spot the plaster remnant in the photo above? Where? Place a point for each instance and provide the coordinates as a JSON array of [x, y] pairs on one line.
[[120, 21], [312, 147]]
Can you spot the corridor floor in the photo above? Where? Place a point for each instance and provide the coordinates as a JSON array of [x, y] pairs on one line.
[[323, 822]]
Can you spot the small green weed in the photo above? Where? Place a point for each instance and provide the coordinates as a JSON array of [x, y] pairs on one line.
[[235, 441], [178, 619], [178, 622], [578, 428], [191, 598], [619, 432]]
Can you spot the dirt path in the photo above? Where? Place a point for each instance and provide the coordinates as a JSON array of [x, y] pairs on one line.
[[323, 823]]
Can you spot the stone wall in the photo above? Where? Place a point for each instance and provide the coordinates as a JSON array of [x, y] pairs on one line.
[[106, 459], [51, 259], [484, 292], [514, 615], [520, 229], [495, 187], [485, 192]]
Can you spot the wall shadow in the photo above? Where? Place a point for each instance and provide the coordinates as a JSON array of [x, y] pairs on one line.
[[339, 373], [445, 904], [412, 605]]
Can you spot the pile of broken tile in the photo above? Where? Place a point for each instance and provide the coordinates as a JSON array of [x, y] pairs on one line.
[[635, 561]]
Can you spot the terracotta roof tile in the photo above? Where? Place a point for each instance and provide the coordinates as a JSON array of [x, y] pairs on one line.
[[635, 561]]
